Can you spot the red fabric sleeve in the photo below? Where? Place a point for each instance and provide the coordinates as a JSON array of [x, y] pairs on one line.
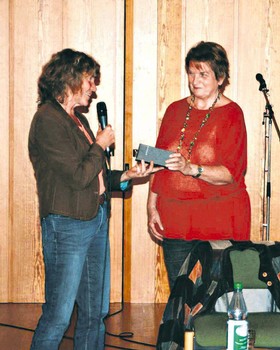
[[232, 143]]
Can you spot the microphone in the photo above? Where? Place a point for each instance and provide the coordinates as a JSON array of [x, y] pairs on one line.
[[103, 120], [261, 80]]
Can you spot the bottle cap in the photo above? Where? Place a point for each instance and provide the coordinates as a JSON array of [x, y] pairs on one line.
[[238, 285]]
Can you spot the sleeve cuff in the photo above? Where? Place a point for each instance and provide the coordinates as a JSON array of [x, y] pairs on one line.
[[124, 185]]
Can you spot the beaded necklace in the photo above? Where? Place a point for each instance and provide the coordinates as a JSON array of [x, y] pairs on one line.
[[183, 130]]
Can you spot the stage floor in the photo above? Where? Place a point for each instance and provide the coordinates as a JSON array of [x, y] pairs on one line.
[[141, 320]]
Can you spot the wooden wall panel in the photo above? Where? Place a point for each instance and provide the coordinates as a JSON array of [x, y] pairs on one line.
[[4, 151], [250, 61], [144, 123], [158, 35], [253, 57], [26, 279], [128, 149], [270, 73]]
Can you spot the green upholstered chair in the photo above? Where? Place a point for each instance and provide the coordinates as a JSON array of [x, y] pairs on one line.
[[210, 329]]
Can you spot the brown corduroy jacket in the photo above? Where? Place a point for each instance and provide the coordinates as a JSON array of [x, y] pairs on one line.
[[66, 166]]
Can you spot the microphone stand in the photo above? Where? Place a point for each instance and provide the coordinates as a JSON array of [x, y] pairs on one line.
[[267, 121]]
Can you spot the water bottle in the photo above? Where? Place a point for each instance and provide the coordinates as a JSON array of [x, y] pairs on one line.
[[237, 330]]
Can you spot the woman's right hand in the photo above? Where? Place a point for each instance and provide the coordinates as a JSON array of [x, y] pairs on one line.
[[153, 222], [105, 138]]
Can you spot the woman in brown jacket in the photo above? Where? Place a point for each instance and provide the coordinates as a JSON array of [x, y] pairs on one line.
[[72, 182]]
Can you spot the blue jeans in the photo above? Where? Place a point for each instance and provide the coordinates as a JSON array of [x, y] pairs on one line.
[[77, 269]]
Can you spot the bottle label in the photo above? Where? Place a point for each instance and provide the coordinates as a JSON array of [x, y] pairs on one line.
[[237, 338]]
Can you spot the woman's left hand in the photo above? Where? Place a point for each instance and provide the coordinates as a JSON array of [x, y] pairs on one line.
[[177, 162], [140, 170]]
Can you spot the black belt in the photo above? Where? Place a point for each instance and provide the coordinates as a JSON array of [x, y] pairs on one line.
[[102, 198]]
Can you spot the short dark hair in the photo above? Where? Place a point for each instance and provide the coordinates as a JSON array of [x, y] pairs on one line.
[[65, 69], [213, 54]]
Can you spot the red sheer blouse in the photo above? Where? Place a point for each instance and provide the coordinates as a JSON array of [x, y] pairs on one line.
[[192, 208]]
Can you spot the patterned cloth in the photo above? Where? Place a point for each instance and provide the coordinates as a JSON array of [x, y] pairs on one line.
[[205, 276]]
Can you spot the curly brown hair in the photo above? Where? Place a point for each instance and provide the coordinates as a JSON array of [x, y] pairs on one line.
[[64, 70]]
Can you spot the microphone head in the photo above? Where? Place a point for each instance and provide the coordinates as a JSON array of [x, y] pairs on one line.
[[102, 119], [262, 82], [102, 114], [259, 77], [101, 108]]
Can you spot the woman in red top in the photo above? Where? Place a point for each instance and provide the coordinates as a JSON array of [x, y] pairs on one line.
[[201, 195]]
